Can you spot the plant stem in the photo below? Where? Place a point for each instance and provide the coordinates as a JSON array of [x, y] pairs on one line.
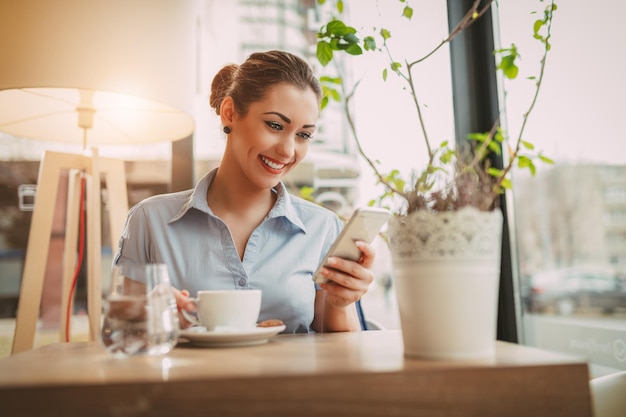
[[463, 24], [355, 135], [534, 100]]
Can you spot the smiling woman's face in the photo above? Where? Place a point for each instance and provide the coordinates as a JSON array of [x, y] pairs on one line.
[[273, 137]]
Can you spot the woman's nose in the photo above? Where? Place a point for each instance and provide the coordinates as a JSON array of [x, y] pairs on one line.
[[286, 147]]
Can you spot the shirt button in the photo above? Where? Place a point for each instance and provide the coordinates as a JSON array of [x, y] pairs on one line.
[[242, 282]]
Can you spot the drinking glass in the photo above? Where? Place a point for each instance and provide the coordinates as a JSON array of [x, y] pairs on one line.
[[140, 315]]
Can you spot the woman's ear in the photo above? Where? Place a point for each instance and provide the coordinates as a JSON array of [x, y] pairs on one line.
[[227, 111]]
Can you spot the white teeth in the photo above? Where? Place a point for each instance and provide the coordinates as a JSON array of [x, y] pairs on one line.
[[271, 164]]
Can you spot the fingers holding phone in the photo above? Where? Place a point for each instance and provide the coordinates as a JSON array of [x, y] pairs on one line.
[[364, 225], [346, 281]]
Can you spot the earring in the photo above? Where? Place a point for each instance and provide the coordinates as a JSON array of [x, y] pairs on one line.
[[227, 129]]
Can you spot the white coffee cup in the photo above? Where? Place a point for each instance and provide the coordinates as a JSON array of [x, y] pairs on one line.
[[226, 309]]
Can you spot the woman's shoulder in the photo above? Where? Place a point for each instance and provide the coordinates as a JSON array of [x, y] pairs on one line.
[[163, 203], [314, 214], [167, 197], [310, 207]]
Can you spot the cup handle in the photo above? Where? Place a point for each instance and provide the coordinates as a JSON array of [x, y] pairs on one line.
[[192, 316]]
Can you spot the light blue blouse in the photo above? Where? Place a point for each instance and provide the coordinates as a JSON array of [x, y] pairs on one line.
[[180, 230]]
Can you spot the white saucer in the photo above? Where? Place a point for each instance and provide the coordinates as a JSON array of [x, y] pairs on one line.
[[200, 336]]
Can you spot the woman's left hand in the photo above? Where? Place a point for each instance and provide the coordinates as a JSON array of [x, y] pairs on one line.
[[349, 280]]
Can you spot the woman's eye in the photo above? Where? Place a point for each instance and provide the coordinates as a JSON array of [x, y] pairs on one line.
[[274, 126], [305, 135]]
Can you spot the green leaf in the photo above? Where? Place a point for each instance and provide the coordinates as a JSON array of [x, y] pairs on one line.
[[369, 43], [340, 6], [506, 183], [354, 49], [507, 61], [546, 159], [331, 93], [407, 12], [494, 147], [524, 161], [477, 136], [494, 172], [528, 145], [350, 38], [324, 102], [447, 155], [330, 80], [395, 66], [499, 136], [385, 74], [508, 67], [537, 26], [385, 34], [338, 28], [324, 53]]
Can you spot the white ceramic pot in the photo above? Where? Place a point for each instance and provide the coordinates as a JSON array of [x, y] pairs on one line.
[[446, 269]]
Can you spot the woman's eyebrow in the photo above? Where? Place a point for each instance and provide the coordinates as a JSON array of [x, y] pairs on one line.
[[287, 119], [282, 116]]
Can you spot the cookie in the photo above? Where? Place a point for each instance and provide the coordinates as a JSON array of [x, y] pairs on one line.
[[270, 323]]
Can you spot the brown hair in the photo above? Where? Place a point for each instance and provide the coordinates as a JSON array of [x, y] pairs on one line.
[[249, 82]]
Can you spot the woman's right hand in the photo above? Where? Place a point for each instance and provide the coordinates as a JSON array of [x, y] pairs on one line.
[[183, 302]]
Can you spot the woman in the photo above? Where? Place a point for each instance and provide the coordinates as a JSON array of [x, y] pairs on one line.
[[239, 227]]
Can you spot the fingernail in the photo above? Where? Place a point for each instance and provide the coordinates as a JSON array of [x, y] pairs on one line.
[[332, 261]]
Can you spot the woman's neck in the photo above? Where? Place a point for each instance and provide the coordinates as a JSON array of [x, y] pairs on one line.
[[242, 207], [230, 192]]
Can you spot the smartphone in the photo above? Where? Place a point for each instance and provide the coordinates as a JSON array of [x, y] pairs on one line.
[[364, 224]]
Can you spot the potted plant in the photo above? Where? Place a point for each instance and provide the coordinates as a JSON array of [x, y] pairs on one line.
[[446, 233]]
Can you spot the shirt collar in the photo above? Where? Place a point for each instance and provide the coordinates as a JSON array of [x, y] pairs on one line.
[[197, 200], [284, 207]]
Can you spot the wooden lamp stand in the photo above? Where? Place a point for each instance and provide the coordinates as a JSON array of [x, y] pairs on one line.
[[93, 167]]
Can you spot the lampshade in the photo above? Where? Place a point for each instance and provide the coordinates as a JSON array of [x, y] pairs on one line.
[[108, 71]]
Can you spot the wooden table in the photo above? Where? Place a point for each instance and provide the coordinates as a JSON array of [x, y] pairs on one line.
[[341, 374]]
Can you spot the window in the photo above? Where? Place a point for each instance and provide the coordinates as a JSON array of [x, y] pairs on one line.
[[570, 219]]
